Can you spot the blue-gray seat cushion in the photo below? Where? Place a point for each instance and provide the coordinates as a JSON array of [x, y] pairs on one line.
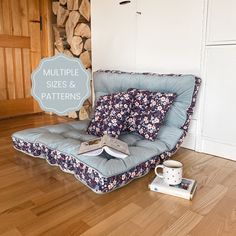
[[66, 138]]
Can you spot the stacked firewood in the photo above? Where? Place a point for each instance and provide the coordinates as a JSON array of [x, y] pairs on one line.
[[72, 29], [72, 36]]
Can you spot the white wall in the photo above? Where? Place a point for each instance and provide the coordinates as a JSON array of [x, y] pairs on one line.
[[113, 35], [184, 36], [165, 38]]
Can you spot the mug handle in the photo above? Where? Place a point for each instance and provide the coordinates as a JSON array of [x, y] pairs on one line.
[[157, 174]]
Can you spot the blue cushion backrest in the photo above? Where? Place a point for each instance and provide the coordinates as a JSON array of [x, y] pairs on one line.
[[107, 82]]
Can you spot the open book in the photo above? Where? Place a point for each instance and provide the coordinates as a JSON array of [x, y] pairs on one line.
[[112, 146], [185, 189]]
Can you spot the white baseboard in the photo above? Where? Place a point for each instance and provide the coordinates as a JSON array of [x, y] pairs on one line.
[[213, 147], [210, 146], [216, 148], [189, 141]]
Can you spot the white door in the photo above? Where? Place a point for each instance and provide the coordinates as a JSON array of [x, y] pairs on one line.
[[219, 126], [221, 22], [113, 34], [169, 36]]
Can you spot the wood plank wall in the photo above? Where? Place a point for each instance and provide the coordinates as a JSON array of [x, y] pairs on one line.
[[15, 59]]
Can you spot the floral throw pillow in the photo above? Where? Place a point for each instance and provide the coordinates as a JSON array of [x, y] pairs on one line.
[[148, 112], [111, 112]]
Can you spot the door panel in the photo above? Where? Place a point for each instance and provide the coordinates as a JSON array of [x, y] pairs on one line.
[[221, 22], [20, 53], [219, 115], [220, 99]]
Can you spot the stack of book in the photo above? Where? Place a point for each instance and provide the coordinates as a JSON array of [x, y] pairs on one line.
[[185, 189]]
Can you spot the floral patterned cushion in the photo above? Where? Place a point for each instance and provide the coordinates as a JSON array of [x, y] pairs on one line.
[[111, 113], [148, 112]]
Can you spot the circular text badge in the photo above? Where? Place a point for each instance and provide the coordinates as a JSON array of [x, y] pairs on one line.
[[60, 84]]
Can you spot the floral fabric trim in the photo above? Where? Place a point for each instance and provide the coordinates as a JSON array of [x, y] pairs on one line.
[[148, 112], [87, 175], [110, 116], [92, 178]]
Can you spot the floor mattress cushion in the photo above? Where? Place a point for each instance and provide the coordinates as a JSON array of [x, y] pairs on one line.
[[59, 144]]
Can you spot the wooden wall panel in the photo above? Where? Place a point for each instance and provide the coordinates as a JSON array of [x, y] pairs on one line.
[[16, 17], [35, 58], [10, 73], [33, 6], [26, 71], [16, 107], [3, 90], [35, 37], [14, 41], [21, 50], [24, 18], [15, 71], [6, 14], [47, 35], [1, 18], [19, 36], [18, 68], [35, 51]]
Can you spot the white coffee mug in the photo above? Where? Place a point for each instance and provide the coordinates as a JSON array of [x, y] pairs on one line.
[[172, 172]]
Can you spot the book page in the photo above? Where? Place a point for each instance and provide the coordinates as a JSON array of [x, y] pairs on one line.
[[115, 153], [116, 144], [90, 145], [94, 153]]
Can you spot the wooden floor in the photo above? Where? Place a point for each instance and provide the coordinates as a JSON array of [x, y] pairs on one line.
[[37, 199]]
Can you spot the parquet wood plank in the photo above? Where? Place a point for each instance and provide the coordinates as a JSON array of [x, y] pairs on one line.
[[209, 200], [121, 216], [184, 224], [128, 227], [12, 232], [220, 221], [37, 199]]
